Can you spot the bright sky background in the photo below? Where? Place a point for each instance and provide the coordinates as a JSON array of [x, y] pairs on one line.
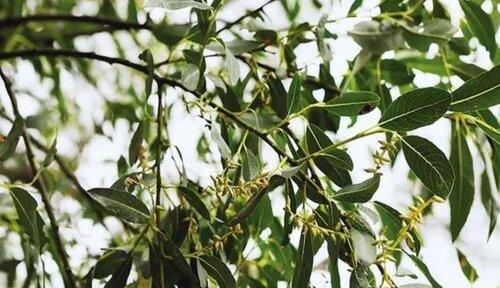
[[184, 131]]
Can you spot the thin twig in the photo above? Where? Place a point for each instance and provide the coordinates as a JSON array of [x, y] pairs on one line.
[[42, 188], [249, 14]]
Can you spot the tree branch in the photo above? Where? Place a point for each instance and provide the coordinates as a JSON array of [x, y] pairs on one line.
[[251, 13], [70, 277], [114, 23]]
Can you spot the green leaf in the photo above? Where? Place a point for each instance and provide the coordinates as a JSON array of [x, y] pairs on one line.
[[414, 109], [423, 268], [218, 270], [492, 132], [429, 164], [190, 76], [316, 140], [437, 31], [351, 103], [26, 211], [478, 93], [176, 4], [224, 149], [251, 203], [278, 96], [233, 67], [489, 202], [120, 276], [481, 25], [109, 263], [250, 164], [136, 143], [190, 194], [121, 204], [8, 146], [304, 261], [376, 37], [359, 193], [293, 96], [147, 57], [462, 194], [469, 271]]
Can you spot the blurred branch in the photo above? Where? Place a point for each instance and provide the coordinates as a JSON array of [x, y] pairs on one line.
[[249, 14], [70, 277], [114, 23]]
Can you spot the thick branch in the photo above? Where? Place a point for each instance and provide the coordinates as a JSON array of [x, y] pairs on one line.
[[42, 188]]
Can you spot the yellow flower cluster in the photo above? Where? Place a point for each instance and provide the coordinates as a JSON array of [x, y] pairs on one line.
[[222, 186]]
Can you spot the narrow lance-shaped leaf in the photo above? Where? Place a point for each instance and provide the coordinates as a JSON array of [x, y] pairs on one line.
[[462, 194], [26, 210], [8, 145], [469, 271], [109, 263], [218, 270], [304, 261], [251, 203], [233, 68], [423, 268], [481, 24], [478, 93], [351, 103], [437, 31], [417, 108], [492, 132], [121, 204], [317, 140], [120, 276], [429, 164], [190, 194], [278, 96], [293, 99], [359, 193], [376, 37], [136, 143]]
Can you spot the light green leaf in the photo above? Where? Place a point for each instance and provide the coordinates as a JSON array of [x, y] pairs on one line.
[[351, 103], [121, 204], [469, 271], [417, 108], [437, 31], [250, 164], [462, 194], [190, 76], [218, 270], [359, 193], [8, 146], [26, 211], [376, 37], [176, 4], [233, 68], [481, 25], [478, 93], [429, 164], [224, 149], [136, 143], [492, 132], [304, 261]]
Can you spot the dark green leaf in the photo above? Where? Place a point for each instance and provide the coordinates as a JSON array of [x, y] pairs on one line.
[[26, 211], [351, 103], [467, 268], [121, 204], [109, 263], [250, 164], [136, 143], [415, 109], [293, 96], [478, 93], [429, 164], [278, 96], [120, 276], [8, 146], [359, 193], [316, 140], [481, 24], [251, 203], [304, 261], [462, 194], [193, 197], [218, 270], [423, 268]]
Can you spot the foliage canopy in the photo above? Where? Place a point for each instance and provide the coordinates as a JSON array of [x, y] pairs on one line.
[[242, 80]]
